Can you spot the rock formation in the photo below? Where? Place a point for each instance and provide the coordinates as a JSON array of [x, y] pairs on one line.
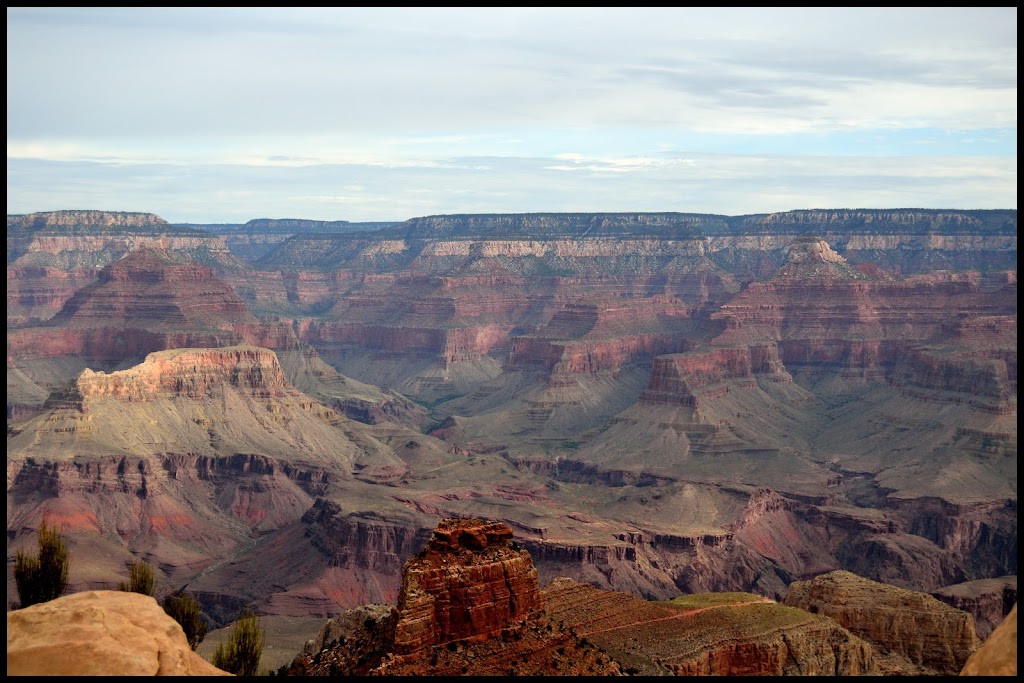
[[468, 584], [469, 604], [713, 634], [987, 600], [997, 656], [100, 633], [912, 626], [50, 255]]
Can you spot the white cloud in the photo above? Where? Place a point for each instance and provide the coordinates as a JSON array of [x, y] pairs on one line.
[[599, 105]]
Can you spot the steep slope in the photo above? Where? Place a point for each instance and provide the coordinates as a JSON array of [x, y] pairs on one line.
[[51, 255], [186, 459], [908, 626], [153, 300]]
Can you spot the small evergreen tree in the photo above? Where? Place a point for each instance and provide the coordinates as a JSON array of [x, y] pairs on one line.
[[140, 579], [241, 653], [184, 609], [44, 576]]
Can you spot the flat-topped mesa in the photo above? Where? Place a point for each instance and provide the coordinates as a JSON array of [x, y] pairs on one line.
[[84, 219], [469, 584], [186, 373]]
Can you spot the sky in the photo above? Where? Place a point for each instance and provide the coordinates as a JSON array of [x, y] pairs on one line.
[[362, 114]]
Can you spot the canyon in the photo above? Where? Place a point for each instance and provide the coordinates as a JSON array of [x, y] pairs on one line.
[[655, 404]]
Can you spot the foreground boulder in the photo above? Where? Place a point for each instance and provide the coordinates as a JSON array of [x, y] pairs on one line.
[[918, 633], [100, 633], [998, 654]]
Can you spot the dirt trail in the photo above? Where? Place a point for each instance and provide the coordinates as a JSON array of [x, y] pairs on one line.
[[680, 615]]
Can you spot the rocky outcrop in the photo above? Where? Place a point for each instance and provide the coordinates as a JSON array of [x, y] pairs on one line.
[[469, 605], [997, 656], [364, 543], [963, 376], [469, 584], [713, 634], [186, 373], [987, 600], [100, 633], [154, 287], [823, 312], [147, 301], [687, 378], [913, 626], [78, 244]]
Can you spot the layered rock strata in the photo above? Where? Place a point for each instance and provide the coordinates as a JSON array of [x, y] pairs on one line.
[[469, 605], [714, 634], [987, 600], [913, 626], [469, 583]]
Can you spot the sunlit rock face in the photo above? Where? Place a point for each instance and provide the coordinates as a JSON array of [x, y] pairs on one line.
[[911, 625], [100, 633], [468, 584]]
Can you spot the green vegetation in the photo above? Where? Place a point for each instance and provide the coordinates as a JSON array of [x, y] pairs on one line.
[[184, 609], [140, 579], [44, 576], [241, 653]]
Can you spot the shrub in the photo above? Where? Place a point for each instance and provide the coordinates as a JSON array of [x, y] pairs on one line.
[[184, 609], [140, 579], [44, 576], [241, 653]]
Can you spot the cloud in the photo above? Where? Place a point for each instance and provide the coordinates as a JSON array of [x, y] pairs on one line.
[[518, 109]]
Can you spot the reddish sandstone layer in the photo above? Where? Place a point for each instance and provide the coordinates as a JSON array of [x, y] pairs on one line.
[[684, 378], [713, 634], [151, 286], [820, 310], [147, 301], [469, 583]]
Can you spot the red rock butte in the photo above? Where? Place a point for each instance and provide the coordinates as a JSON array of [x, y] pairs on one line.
[[469, 584]]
